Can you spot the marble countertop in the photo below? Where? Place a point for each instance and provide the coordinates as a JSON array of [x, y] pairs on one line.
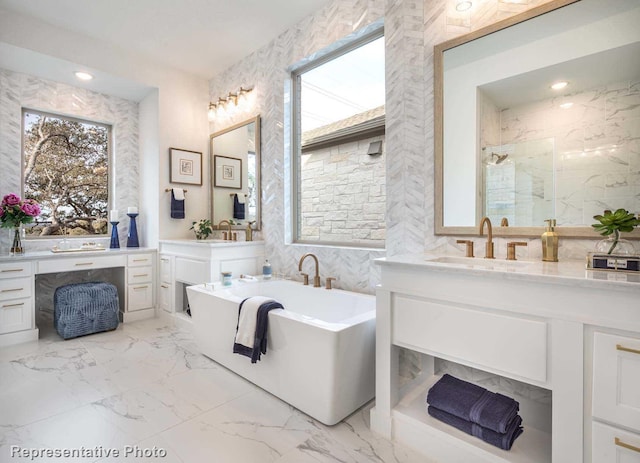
[[41, 255], [571, 272], [216, 243]]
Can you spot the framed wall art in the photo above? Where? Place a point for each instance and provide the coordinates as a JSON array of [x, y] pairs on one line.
[[228, 172], [185, 166]]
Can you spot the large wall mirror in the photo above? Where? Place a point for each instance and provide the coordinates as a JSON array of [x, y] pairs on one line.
[[235, 174], [509, 143]]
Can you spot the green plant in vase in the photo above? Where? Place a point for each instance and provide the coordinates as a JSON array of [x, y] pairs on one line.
[[202, 228], [610, 225]]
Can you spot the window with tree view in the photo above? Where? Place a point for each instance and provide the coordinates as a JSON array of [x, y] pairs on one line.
[[339, 120], [66, 170]]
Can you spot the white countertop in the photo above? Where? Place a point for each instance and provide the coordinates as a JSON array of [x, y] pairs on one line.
[[214, 243], [568, 272], [41, 255]]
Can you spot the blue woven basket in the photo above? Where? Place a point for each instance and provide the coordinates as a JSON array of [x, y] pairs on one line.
[[85, 308]]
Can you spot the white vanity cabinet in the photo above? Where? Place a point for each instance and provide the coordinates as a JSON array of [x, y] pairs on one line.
[[616, 398], [192, 262], [140, 277], [16, 297], [165, 291], [539, 330]]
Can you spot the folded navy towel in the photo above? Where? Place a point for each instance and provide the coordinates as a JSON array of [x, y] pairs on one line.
[[260, 339], [473, 403], [177, 207], [502, 440], [238, 208]]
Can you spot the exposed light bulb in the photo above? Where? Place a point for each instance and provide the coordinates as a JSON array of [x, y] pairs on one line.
[[559, 85], [211, 114]]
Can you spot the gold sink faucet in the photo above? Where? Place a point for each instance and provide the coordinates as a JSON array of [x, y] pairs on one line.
[[226, 235], [316, 278], [488, 253]]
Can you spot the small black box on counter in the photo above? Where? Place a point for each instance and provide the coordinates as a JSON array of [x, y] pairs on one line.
[[613, 262]]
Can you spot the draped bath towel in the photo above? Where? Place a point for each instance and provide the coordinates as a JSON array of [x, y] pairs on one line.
[[502, 440], [238, 206], [473, 403], [251, 331], [177, 203]]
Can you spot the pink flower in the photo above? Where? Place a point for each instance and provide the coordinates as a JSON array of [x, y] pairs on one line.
[[11, 200], [31, 208]]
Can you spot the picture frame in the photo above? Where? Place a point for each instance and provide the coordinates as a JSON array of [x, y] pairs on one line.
[[227, 172], [185, 166]]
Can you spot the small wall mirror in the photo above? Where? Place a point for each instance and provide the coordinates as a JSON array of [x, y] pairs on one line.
[[511, 144], [235, 174]]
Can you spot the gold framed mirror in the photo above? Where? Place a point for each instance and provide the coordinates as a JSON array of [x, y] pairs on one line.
[[508, 145], [234, 157]]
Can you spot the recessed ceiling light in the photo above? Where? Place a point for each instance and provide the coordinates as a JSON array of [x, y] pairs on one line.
[[83, 75], [463, 5], [559, 85], [566, 105]]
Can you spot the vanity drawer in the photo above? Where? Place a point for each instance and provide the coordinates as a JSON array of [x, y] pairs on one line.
[[15, 315], [139, 297], [80, 263], [508, 344], [191, 270], [139, 260], [21, 269], [611, 445], [15, 288], [137, 275], [616, 379]]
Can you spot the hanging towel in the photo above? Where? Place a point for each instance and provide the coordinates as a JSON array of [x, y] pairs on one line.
[[251, 331], [238, 206], [473, 403], [502, 440], [177, 203]]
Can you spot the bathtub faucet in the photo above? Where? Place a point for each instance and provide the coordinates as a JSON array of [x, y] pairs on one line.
[[316, 278]]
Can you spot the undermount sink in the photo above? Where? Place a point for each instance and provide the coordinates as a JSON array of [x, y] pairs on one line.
[[479, 262]]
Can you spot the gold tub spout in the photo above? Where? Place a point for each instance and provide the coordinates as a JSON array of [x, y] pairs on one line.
[[316, 278], [488, 253]]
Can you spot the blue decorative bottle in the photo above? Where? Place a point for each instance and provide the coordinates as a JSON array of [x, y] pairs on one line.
[[115, 241], [132, 236]]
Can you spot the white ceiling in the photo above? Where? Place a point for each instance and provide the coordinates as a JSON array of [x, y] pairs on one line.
[[202, 37]]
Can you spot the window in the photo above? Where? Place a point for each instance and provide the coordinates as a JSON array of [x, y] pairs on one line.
[[66, 170], [338, 123]]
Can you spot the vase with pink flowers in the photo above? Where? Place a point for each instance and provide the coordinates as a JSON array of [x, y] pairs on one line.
[[15, 212]]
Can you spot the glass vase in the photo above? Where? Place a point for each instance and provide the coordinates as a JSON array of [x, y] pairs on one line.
[[16, 247], [615, 245]]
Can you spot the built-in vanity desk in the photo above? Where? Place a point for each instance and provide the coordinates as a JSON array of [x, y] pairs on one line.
[[192, 262], [556, 329], [133, 275]]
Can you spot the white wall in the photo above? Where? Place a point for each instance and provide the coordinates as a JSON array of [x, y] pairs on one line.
[[173, 116]]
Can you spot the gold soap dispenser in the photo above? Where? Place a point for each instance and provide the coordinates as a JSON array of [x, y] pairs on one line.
[[550, 242]]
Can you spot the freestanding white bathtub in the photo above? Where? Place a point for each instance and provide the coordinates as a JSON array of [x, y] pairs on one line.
[[320, 350]]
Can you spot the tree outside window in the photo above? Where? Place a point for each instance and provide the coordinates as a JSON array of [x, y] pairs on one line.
[[66, 170]]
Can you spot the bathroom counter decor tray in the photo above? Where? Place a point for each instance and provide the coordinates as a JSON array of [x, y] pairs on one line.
[[613, 262]]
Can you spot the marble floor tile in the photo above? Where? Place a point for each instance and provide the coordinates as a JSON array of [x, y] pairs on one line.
[[145, 386]]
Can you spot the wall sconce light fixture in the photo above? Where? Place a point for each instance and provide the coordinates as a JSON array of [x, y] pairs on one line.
[[229, 104]]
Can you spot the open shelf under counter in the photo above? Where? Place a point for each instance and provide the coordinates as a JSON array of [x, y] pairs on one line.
[[416, 428]]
